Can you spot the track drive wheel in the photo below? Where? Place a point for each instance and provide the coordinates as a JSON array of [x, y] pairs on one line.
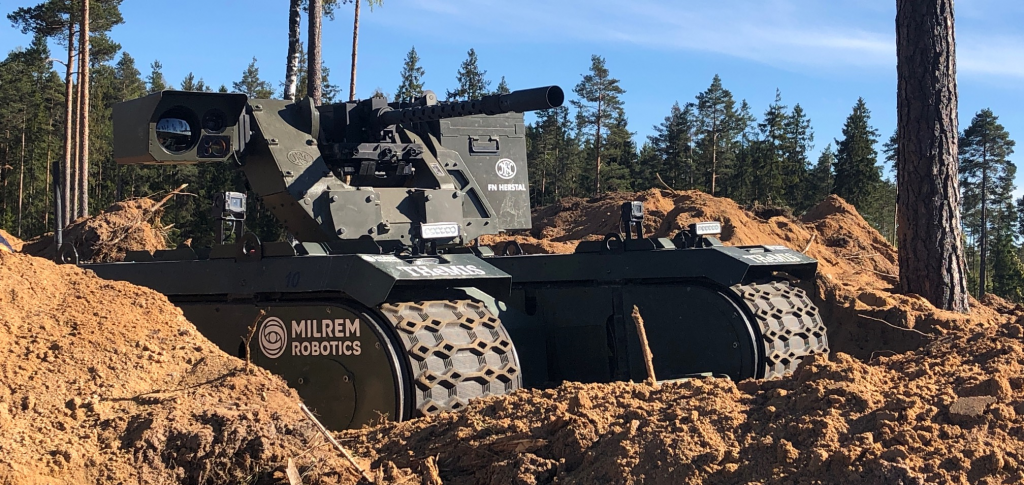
[[457, 350], [791, 328]]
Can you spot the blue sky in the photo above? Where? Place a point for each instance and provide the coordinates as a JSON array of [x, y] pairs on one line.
[[821, 54]]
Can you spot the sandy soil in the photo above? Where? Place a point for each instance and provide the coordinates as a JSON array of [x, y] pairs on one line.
[[105, 382]]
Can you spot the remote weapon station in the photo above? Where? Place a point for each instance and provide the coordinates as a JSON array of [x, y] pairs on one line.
[[380, 302]]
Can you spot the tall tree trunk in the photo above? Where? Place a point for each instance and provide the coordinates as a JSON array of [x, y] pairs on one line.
[[314, 85], [982, 272], [291, 75], [21, 175], [355, 49], [69, 94], [714, 158], [76, 159], [931, 255], [48, 188], [597, 146], [83, 176]]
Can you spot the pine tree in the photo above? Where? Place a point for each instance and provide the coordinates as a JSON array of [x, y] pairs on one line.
[[189, 83], [1007, 268], [156, 78], [328, 90], [251, 85], [856, 168], [719, 128], [670, 152], [411, 86], [502, 87], [769, 166], [620, 156], [128, 78], [821, 178], [799, 140], [472, 84], [599, 105], [553, 153], [986, 180], [126, 84]]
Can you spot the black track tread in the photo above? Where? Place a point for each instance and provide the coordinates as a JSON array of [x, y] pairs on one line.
[[457, 350], [791, 327]]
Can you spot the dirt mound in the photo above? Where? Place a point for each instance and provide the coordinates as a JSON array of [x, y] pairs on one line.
[[15, 243], [951, 412], [106, 382], [106, 237]]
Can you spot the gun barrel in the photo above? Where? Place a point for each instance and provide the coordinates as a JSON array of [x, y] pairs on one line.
[[519, 101]]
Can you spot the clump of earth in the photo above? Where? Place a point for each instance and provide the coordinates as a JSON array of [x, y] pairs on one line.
[[106, 382], [108, 236]]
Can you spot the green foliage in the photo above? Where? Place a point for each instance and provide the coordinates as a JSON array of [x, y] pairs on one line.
[[190, 84], [412, 78], [798, 142], [156, 79], [986, 184], [820, 179], [670, 152], [472, 84], [502, 87], [31, 101], [554, 153], [52, 19], [331, 6], [598, 109], [769, 165], [856, 168], [719, 126], [251, 85], [329, 91]]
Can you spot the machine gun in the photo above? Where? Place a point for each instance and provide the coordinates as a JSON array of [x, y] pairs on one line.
[[379, 304]]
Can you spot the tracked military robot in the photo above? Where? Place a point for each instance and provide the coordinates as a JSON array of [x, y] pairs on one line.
[[380, 303]]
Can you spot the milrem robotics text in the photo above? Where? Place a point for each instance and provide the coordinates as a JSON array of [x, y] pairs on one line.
[[339, 328]]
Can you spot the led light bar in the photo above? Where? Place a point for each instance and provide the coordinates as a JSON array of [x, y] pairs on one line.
[[440, 230], [707, 228]]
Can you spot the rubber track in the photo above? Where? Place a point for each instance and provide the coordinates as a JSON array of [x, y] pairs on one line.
[[457, 350], [791, 327]]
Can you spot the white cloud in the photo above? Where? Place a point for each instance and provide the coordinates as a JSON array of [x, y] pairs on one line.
[[782, 33], [991, 55], [776, 32]]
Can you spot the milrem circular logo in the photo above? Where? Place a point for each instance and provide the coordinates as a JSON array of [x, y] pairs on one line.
[[300, 158], [505, 168], [273, 337]]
